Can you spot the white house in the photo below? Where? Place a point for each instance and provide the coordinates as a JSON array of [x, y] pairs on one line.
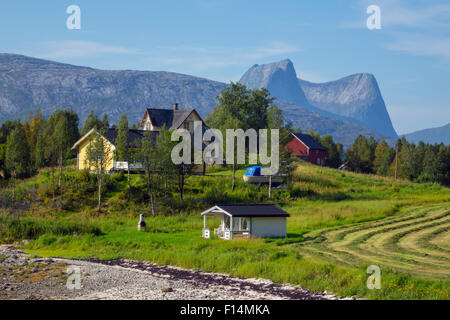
[[247, 221]]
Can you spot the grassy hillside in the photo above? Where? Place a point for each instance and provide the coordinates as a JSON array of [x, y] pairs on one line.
[[340, 223]]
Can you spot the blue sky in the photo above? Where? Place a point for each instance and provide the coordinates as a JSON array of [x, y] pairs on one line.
[[220, 40]]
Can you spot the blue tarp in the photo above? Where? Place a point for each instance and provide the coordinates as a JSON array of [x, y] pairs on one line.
[[254, 171]]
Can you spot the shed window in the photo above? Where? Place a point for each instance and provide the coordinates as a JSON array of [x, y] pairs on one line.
[[244, 224], [236, 223], [227, 222]]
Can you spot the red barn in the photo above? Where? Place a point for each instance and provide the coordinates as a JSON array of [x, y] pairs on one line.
[[306, 148]]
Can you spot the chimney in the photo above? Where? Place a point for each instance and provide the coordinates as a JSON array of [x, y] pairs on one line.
[[175, 106]]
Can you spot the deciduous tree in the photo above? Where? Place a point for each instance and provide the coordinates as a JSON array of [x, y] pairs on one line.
[[99, 156]]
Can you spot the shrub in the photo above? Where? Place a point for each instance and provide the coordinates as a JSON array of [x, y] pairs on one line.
[[116, 177], [214, 196], [134, 194], [5, 200], [84, 176], [299, 191], [12, 229]]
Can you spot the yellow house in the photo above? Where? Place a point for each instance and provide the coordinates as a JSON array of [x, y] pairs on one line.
[[153, 120], [82, 147]]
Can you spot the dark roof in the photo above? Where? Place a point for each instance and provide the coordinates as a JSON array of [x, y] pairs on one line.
[[133, 135], [309, 141], [172, 119], [254, 210]]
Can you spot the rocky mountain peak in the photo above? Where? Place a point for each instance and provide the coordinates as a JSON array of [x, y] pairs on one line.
[[279, 78], [356, 97]]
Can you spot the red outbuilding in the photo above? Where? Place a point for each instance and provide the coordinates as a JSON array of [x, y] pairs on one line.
[[306, 148]]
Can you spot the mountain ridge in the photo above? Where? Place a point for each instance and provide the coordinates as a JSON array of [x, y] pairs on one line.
[[356, 98], [27, 84], [430, 135], [46, 84]]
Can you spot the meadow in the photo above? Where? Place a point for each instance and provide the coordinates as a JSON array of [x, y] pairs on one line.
[[340, 224]]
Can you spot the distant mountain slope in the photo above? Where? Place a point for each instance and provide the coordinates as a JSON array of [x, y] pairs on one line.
[[356, 98], [432, 135], [342, 131], [28, 83]]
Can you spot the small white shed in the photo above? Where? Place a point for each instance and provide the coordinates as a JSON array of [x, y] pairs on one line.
[[247, 221]]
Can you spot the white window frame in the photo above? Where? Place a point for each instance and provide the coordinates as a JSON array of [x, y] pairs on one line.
[[241, 223]]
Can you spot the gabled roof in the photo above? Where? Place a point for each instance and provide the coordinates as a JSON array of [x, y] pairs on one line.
[[111, 135], [249, 210], [172, 119], [133, 135], [308, 141]]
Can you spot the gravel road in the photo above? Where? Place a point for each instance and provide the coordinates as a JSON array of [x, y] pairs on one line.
[[26, 277]]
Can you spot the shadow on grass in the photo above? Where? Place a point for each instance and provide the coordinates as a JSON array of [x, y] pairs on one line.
[[289, 239]]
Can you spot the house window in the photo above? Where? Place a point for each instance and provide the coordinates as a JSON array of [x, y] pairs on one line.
[[227, 222], [236, 223], [244, 224], [239, 224]]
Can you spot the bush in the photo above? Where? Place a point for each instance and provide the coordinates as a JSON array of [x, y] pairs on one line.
[[298, 191], [116, 177], [5, 200], [13, 229], [214, 196], [134, 194], [84, 176]]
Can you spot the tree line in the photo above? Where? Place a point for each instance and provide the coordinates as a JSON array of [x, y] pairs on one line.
[[421, 163], [39, 142]]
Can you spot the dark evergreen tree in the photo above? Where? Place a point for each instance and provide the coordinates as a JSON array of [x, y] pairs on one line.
[[105, 122], [17, 158], [333, 156], [360, 155], [122, 147], [91, 122]]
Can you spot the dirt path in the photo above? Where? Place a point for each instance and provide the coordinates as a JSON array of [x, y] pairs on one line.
[[25, 277]]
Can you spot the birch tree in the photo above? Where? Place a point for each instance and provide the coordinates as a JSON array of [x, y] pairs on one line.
[[99, 156]]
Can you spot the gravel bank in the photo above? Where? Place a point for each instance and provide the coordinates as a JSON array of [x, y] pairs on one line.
[[26, 277]]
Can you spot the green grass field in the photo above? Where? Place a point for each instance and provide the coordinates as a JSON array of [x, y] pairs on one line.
[[340, 223]]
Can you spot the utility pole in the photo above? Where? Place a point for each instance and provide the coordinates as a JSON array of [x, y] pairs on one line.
[[396, 159], [270, 186]]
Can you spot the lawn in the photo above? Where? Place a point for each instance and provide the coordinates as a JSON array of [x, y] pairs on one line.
[[340, 223]]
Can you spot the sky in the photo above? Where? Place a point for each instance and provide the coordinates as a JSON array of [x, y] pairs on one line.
[[220, 40]]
